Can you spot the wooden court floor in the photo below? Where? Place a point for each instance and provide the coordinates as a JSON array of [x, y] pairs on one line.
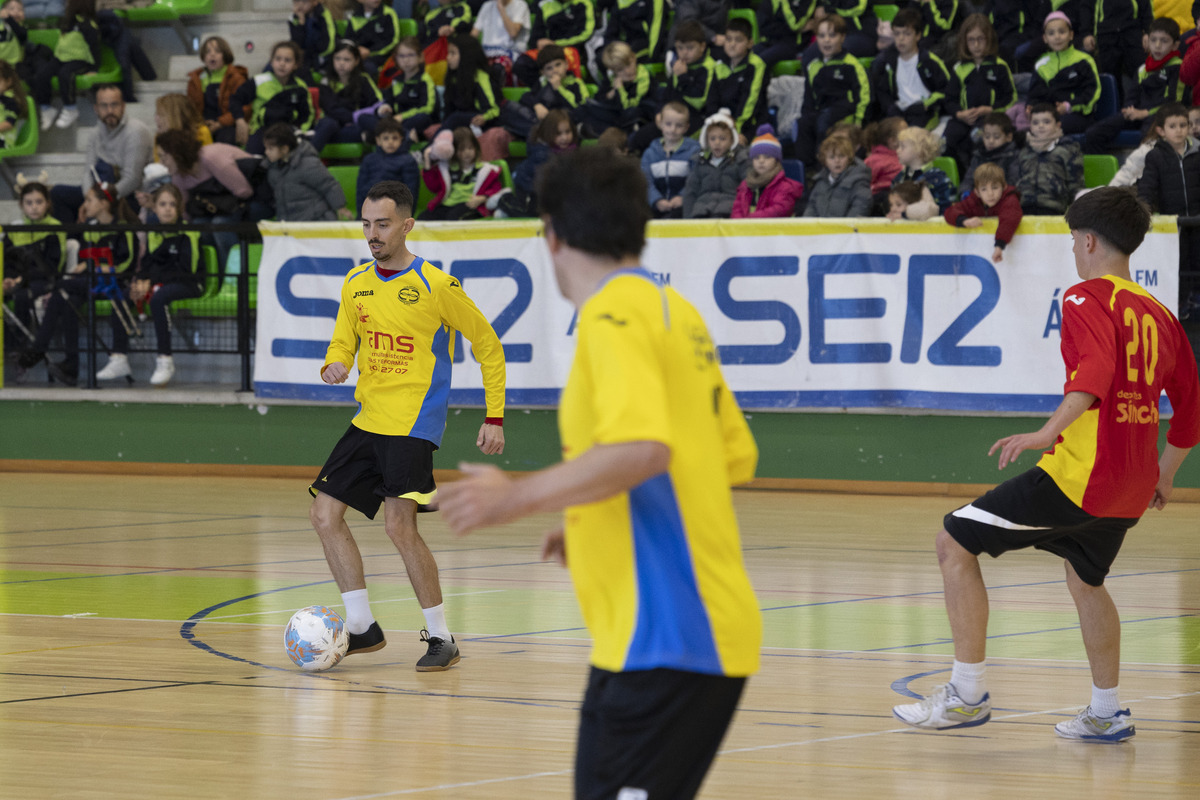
[[141, 655]]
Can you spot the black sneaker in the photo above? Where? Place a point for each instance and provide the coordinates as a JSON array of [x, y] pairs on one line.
[[368, 641], [442, 655], [64, 372], [30, 358]]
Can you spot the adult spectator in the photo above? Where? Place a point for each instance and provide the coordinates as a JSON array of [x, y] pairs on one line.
[[174, 112], [117, 152]]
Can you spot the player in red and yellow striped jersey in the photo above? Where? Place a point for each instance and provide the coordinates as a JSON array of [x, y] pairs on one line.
[[652, 441], [399, 314], [1122, 349]]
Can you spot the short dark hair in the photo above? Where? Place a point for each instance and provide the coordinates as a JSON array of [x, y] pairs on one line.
[[836, 22], [396, 191], [908, 18], [1044, 108], [549, 54], [389, 125], [182, 146], [908, 191], [101, 87], [1114, 214], [280, 134], [741, 25], [690, 30], [1165, 25], [594, 199], [1001, 121], [33, 186], [1167, 111], [222, 46]]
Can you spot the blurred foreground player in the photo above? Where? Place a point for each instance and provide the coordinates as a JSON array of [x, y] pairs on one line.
[[652, 440], [400, 314], [1122, 349]]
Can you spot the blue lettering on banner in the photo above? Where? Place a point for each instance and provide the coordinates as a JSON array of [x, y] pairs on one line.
[[945, 350], [500, 268], [306, 306], [754, 266], [1146, 277], [1053, 317], [821, 308]]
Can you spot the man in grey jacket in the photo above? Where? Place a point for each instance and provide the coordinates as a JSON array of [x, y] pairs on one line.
[[117, 152], [304, 189]]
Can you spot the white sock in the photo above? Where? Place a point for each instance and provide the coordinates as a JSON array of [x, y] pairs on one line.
[[358, 611], [967, 680], [435, 621], [1104, 701]]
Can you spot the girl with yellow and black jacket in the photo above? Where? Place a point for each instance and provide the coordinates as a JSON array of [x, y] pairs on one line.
[[77, 52]]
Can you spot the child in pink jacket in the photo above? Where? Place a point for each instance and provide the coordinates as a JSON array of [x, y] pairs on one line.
[[766, 191]]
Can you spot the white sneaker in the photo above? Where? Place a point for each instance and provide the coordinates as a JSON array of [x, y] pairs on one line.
[[943, 710], [1089, 727], [68, 117], [164, 370], [117, 367], [46, 115]]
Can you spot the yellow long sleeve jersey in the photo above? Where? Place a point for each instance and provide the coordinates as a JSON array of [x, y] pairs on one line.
[[402, 329]]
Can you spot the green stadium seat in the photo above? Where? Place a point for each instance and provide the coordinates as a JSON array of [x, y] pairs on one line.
[[949, 167], [887, 13], [212, 281], [408, 27], [505, 173], [749, 15], [514, 93], [344, 151], [27, 137], [1099, 170], [161, 11], [107, 71], [788, 67], [517, 149], [347, 176]]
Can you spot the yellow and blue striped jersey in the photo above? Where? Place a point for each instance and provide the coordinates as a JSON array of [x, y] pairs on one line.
[[658, 570], [402, 328]]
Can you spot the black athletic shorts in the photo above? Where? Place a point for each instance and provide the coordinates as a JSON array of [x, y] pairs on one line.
[[1030, 510], [364, 468], [651, 734]]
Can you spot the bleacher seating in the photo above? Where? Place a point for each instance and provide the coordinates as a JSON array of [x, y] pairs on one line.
[[347, 176], [1099, 170], [107, 71], [748, 15], [947, 165], [25, 144]]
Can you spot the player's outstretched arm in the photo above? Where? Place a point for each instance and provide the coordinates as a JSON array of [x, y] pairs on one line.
[[490, 439], [1069, 410], [1168, 464], [486, 496]]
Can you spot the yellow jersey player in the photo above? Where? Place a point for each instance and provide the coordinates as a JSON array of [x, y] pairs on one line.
[[399, 314], [653, 440]]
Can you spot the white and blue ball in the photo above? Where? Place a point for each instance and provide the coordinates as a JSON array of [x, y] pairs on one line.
[[316, 638]]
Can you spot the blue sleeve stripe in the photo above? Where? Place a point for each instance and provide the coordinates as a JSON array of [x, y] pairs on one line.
[[672, 628], [431, 419]]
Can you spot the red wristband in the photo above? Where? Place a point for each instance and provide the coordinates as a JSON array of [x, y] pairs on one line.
[[497, 421]]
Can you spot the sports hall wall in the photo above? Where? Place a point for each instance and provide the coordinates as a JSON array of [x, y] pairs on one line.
[[870, 356]]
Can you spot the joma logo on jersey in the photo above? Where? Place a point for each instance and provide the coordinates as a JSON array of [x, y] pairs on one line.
[[1137, 414], [365, 293], [408, 295], [398, 343]]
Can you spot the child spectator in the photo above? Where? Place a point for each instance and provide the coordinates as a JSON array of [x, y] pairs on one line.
[[980, 84], [1135, 163], [559, 89], [1158, 84], [77, 52], [780, 25], [314, 32], [469, 98], [881, 139], [860, 27], [993, 197], [996, 146], [916, 151], [710, 14], [908, 81], [412, 97], [461, 185], [212, 86], [1049, 167], [717, 170], [625, 100], [667, 161], [277, 95], [637, 23], [107, 252], [1016, 23], [1170, 182], [940, 17], [570, 23], [553, 135], [1194, 121], [389, 162], [1064, 76], [766, 191], [911, 200], [349, 99], [689, 81], [741, 80], [168, 272], [304, 189], [14, 41], [837, 89], [13, 105], [375, 29], [444, 21], [1113, 31], [32, 261], [843, 187]]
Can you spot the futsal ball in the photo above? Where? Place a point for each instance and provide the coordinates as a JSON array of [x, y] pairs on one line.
[[316, 638]]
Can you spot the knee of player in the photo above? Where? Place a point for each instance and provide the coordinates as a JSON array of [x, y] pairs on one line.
[[947, 549]]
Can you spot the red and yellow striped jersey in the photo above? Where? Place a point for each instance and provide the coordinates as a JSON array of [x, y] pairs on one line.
[[402, 328], [1126, 348]]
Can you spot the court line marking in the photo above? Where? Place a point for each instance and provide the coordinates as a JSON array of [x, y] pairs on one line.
[[463, 785], [290, 611]]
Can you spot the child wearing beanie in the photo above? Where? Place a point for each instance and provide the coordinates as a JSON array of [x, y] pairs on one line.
[[717, 170], [766, 191], [1064, 76]]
